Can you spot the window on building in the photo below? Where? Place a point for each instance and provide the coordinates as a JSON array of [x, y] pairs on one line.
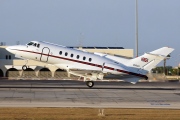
[[77, 56], [72, 55], [6, 56], [9, 56]]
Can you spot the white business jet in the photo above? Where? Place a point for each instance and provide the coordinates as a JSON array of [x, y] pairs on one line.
[[90, 66]]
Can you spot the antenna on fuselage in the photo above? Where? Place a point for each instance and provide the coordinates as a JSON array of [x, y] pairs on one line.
[[17, 43]]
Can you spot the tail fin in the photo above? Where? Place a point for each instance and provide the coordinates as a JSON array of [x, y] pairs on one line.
[[150, 60]]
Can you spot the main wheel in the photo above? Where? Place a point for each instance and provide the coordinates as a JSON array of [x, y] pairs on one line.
[[24, 67], [90, 84]]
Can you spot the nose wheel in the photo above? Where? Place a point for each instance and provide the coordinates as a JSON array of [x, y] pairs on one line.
[[24, 67], [90, 84]]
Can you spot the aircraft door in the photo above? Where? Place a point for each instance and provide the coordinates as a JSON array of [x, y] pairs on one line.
[[103, 66], [45, 54]]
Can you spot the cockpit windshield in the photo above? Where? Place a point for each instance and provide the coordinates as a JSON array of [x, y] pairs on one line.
[[33, 44]]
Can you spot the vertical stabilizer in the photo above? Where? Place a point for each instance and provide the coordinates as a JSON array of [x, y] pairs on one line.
[[150, 60]]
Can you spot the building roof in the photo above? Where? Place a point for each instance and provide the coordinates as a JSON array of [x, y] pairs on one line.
[[95, 47]]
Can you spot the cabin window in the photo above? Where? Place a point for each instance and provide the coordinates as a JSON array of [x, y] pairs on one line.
[[35, 44], [84, 58], [90, 59], [66, 53], [9, 56], [60, 52], [6, 56], [38, 45], [77, 56], [72, 55]]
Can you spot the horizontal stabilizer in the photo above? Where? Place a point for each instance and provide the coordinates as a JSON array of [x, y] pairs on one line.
[[164, 51]]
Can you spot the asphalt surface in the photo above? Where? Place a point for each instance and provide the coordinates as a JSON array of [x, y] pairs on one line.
[[68, 93]]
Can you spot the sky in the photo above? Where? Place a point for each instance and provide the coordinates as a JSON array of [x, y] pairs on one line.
[[93, 23]]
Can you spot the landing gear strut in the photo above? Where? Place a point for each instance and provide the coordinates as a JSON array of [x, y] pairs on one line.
[[90, 84], [24, 67]]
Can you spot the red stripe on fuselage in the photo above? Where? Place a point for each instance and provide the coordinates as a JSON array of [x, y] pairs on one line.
[[87, 63]]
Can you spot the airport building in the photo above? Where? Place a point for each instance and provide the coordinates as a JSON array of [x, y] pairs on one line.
[[11, 67]]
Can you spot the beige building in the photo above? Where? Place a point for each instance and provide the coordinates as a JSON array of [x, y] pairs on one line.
[[10, 66]]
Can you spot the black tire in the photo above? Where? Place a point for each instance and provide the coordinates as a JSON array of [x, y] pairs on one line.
[[90, 84], [24, 67]]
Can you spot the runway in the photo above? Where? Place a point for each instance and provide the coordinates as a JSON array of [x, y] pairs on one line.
[[67, 93]]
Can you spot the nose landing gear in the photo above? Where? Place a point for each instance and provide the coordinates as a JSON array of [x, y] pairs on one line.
[[24, 67]]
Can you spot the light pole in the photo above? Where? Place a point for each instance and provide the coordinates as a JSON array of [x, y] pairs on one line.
[[136, 28], [177, 70], [178, 67]]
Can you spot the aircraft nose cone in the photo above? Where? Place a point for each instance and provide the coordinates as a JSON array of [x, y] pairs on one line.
[[11, 49]]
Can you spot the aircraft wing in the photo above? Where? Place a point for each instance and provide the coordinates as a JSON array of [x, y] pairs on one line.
[[17, 56], [83, 71], [87, 74], [95, 75]]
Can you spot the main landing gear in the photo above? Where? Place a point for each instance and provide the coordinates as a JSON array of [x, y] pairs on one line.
[[90, 84]]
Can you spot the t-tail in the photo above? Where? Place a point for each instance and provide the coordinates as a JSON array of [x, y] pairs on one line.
[[143, 64], [149, 60]]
